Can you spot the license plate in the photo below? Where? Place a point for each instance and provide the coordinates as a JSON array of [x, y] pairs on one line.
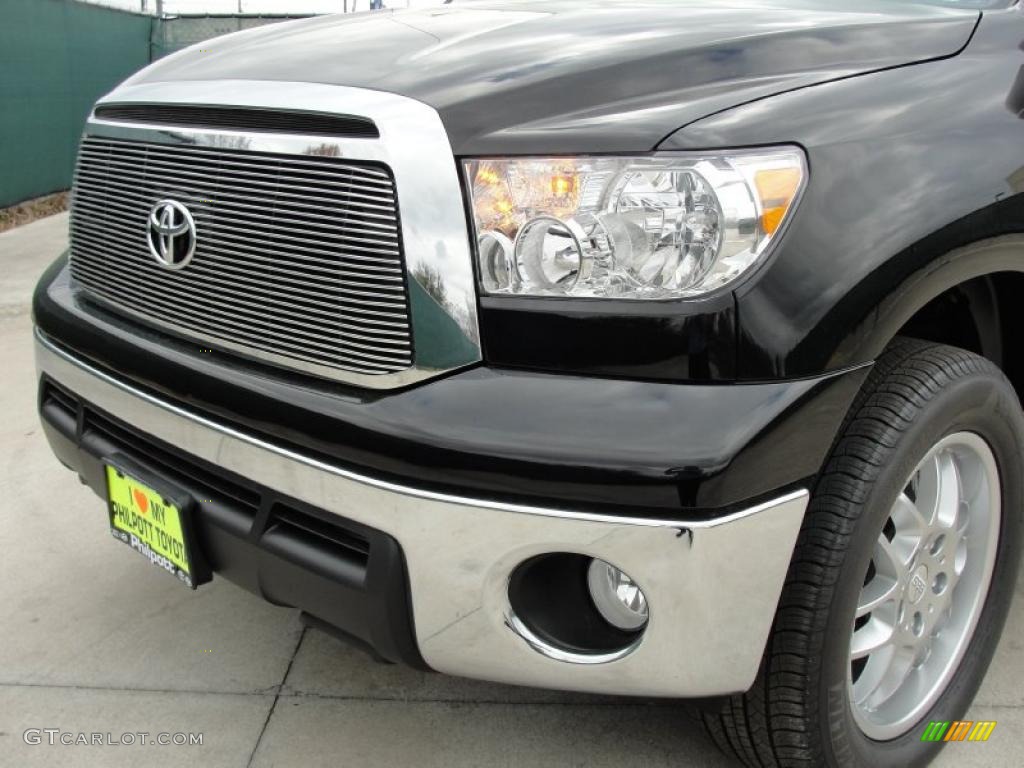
[[153, 522]]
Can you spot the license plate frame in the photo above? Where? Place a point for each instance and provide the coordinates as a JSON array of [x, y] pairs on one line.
[[154, 518]]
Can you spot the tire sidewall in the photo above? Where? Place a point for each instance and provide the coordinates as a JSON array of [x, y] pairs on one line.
[[982, 403]]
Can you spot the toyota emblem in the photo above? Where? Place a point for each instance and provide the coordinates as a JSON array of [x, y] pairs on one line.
[[171, 234]]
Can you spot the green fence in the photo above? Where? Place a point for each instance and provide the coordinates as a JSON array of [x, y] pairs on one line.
[[56, 58], [176, 32]]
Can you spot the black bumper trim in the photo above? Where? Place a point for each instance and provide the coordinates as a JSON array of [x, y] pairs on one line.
[[345, 575]]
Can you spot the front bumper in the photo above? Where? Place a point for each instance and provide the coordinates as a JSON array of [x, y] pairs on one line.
[[712, 586]]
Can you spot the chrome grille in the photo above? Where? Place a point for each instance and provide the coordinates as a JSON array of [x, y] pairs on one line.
[[298, 258]]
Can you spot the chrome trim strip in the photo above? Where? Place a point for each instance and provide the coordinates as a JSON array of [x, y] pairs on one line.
[[413, 143], [553, 652], [711, 610]]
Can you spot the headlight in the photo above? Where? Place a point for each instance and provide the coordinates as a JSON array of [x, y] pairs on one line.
[[657, 227]]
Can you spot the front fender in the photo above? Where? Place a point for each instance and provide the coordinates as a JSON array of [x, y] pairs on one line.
[[907, 167]]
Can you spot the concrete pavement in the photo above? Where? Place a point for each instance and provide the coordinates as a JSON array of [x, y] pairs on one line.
[[92, 639]]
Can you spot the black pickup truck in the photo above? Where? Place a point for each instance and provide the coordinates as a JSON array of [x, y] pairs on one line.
[[647, 348]]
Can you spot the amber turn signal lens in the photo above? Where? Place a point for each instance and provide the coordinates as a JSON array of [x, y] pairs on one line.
[[776, 188], [564, 186]]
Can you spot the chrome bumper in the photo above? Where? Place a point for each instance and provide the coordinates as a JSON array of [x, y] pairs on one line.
[[712, 587]]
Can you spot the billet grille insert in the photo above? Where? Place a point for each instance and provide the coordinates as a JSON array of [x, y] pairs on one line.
[[298, 258]]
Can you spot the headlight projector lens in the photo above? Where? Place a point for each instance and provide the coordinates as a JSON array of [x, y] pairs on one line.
[[549, 254], [497, 270], [618, 598]]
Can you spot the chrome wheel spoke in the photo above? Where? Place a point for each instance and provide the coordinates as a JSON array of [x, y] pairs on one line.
[[908, 517], [901, 662], [873, 636], [925, 483], [893, 556], [872, 676], [877, 592], [947, 507]]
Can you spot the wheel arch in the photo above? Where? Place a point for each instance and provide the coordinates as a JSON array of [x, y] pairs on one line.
[[971, 297]]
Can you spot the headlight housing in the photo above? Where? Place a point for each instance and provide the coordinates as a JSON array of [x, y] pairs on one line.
[[664, 226]]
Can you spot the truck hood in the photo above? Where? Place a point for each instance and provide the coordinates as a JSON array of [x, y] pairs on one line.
[[563, 76]]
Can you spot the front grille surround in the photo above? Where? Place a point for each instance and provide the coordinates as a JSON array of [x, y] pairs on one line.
[[435, 241], [299, 259]]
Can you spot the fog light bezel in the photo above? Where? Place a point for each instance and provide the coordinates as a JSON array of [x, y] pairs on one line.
[[550, 607]]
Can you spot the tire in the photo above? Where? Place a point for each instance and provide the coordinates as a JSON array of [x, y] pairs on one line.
[[799, 711]]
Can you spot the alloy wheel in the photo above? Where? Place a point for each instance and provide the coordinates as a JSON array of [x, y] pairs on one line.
[[925, 587]]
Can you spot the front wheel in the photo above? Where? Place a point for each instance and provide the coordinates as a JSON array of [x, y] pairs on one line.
[[902, 575]]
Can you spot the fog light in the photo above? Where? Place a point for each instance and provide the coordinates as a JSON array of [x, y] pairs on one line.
[[618, 598]]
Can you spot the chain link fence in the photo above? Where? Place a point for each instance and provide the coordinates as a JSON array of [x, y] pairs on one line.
[[177, 25], [176, 32], [58, 56], [266, 8]]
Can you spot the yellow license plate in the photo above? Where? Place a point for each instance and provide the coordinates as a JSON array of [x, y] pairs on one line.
[[150, 523]]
